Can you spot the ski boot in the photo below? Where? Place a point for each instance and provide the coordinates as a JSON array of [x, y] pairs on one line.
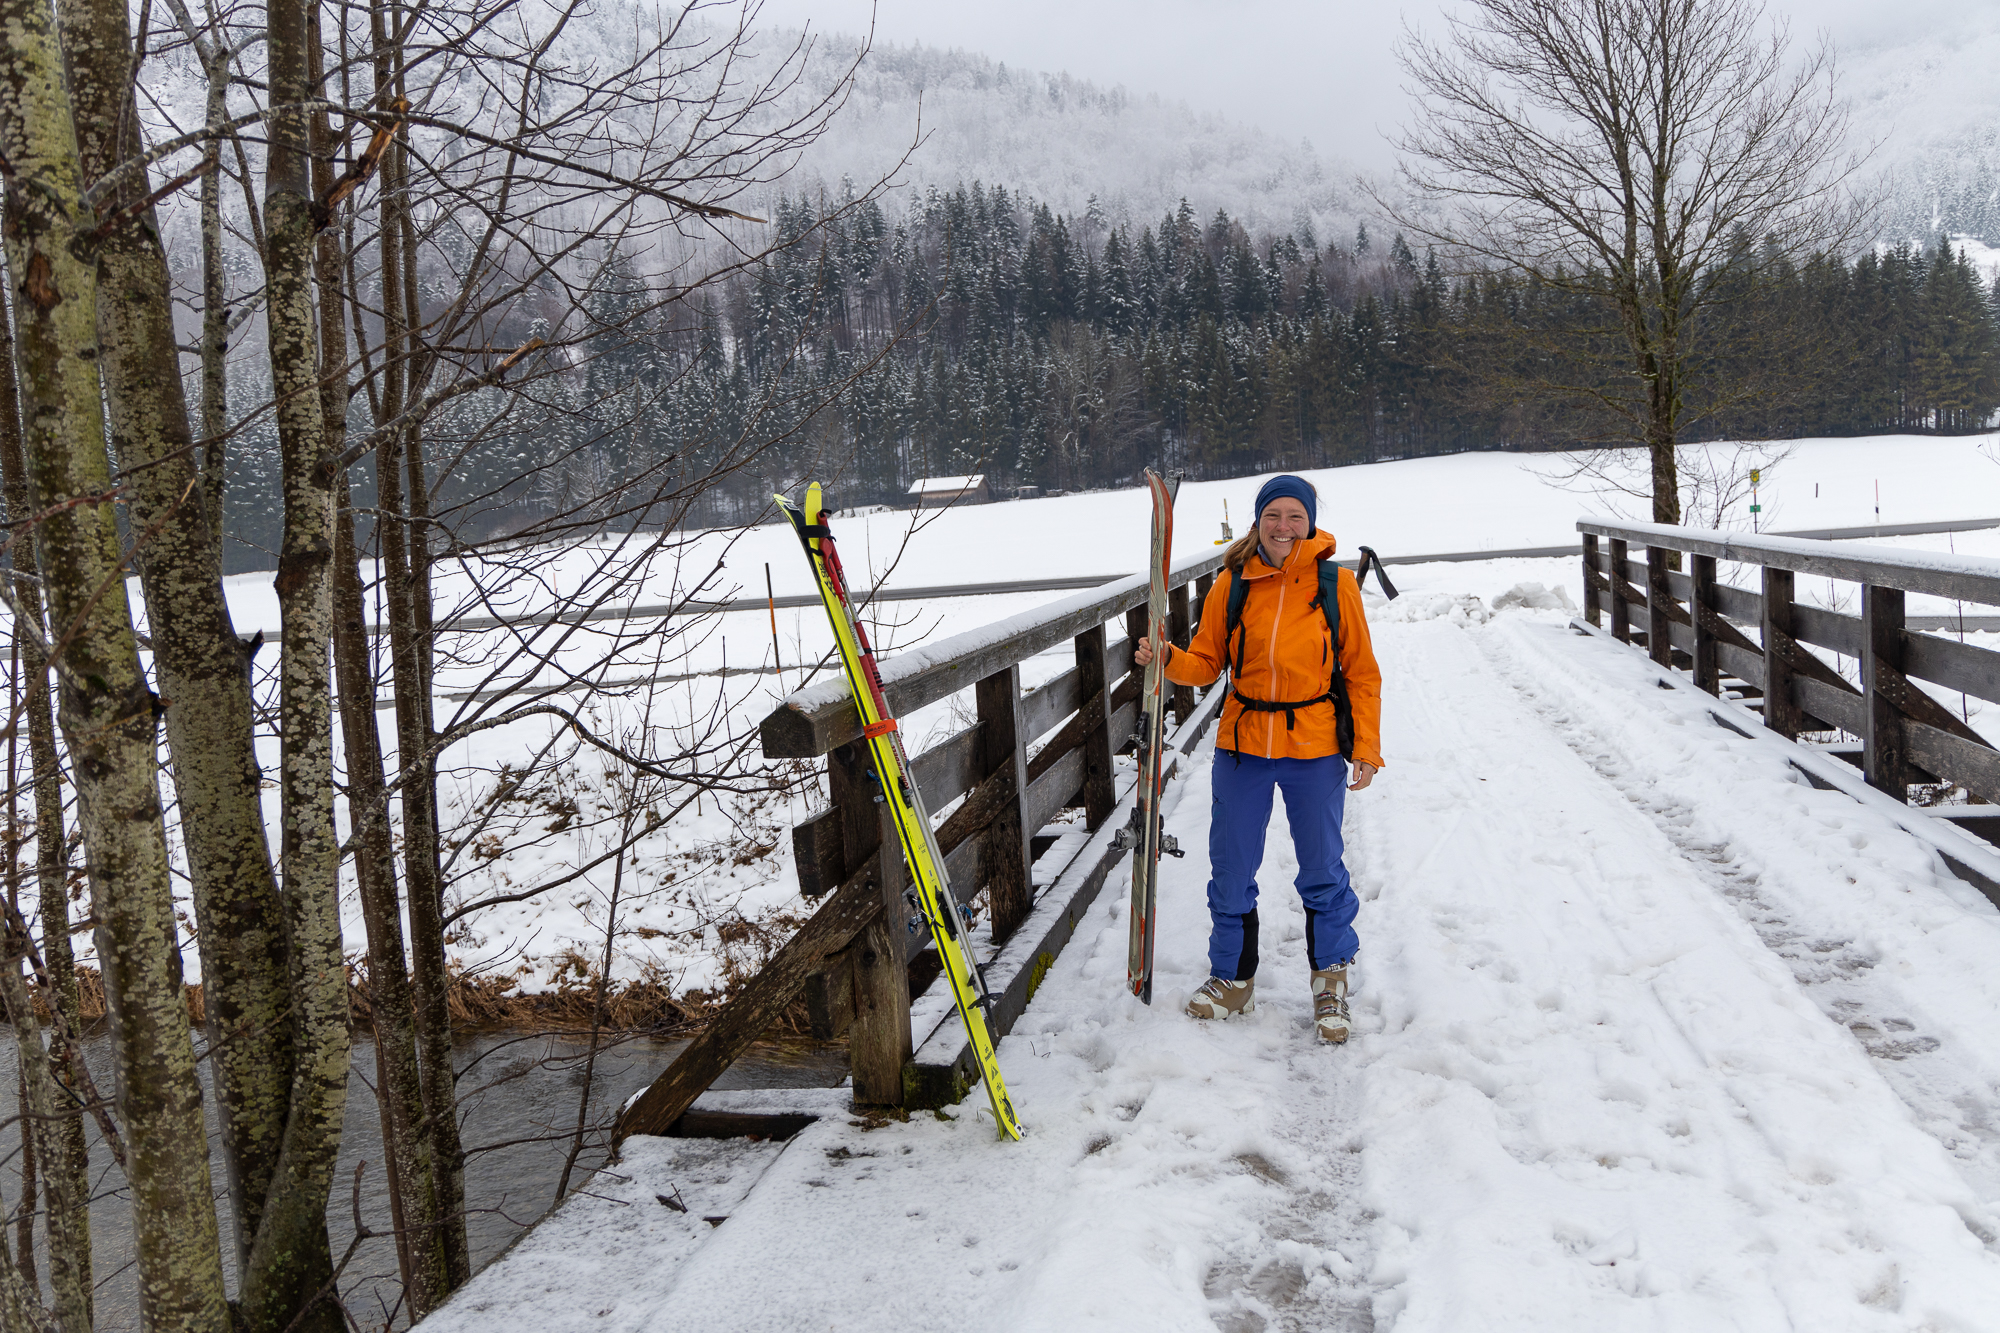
[[1221, 998], [1330, 1003]]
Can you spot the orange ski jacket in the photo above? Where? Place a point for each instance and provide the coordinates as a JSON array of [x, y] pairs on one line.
[[1286, 651]]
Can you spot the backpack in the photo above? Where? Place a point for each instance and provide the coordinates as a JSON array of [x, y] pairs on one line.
[[1327, 599]]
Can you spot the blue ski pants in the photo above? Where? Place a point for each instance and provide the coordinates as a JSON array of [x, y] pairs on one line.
[[1315, 795]]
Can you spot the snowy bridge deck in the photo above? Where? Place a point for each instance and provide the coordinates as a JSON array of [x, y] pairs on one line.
[[1650, 1033]]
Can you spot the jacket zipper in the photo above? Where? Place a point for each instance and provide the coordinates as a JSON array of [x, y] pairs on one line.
[[1271, 652]]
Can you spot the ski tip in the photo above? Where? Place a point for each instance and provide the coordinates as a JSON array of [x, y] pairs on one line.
[[815, 504]]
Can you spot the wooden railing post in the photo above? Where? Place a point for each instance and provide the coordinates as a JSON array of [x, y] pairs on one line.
[[1006, 855], [1177, 611], [879, 1043], [1885, 755], [1621, 617], [1782, 713], [1659, 597], [1702, 611], [1593, 602], [1099, 791]]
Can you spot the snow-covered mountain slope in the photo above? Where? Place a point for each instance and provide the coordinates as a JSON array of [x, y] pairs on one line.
[[961, 117]]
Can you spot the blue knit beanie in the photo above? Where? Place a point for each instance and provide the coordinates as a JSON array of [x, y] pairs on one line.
[[1299, 489]]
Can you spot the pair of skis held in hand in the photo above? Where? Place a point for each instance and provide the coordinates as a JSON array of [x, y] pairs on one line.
[[929, 885]]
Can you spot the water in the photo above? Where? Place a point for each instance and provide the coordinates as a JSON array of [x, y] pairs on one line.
[[518, 1098]]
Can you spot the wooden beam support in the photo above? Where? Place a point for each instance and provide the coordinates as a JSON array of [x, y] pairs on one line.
[[1781, 710], [1094, 734], [1177, 617], [1885, 760], [1707, 670], [1621, 617], [1659, 640], [1002, 749], [1593, 598]]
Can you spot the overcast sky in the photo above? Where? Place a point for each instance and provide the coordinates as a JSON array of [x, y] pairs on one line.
[[1325, 70]]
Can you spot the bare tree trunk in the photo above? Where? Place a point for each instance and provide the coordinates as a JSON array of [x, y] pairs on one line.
[[69, 1261], [203, 670], [108, 712], [420, 1248], [69, 1161], [290, 1262], [401, 541]]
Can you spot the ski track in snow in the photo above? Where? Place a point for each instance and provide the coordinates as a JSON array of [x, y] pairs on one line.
[[1792, 880], [1628, 1054]]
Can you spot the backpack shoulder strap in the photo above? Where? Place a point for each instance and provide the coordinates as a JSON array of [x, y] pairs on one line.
[[1232, 619], [1329, 601]]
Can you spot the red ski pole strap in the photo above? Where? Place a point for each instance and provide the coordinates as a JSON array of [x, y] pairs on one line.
[[882, 728]]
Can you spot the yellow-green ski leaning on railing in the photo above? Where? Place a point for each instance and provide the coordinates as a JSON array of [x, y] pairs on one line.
[[906, 804]]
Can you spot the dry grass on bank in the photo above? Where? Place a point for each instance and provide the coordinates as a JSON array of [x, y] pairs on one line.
[[488, 1001]]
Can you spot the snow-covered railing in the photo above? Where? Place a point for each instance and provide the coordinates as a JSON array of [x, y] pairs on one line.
[[1907, 735], [1028, 756]]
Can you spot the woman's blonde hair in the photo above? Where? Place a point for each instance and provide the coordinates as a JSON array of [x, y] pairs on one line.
[[1240, 551]]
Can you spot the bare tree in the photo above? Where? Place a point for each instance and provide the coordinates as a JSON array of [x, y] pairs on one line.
[[1651, 160]]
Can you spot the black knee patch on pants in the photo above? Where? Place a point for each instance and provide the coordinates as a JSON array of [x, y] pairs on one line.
[[1246, 962]]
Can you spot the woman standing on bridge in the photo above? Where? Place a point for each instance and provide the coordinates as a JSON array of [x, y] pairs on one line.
[[1305, 701]]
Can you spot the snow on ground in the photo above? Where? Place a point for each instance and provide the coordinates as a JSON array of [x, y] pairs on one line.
[[1649, 1034]]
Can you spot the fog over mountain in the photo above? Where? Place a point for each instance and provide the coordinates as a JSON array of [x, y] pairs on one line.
[[1065, 141], [1925, 113]]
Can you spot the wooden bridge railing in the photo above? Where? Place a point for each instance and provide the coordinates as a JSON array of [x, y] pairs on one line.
[[1028, 755], [1689, 618]]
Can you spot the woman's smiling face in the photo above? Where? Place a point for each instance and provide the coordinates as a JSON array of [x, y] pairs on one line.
[[1283, 522]]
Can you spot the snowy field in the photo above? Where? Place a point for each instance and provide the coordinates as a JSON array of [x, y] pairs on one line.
[[1650, 1034], [712, 888]]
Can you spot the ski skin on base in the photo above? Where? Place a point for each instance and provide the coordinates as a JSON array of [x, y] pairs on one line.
[[905, 802], [1146, 835]]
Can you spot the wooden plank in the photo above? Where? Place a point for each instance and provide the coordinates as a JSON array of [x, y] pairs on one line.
[[1828, 629], [1659, 638], [1955, 759], [1739, 604], [1885, 756], [777, 1126], [1957, 666], [1822, 701], [1042, 708], [1093, 736], [1003, 750], [1050, 792], [948, 769], [1739, 662], [829, 997], [1182, 627], [1621, 616], [1781, 712], [1964, 578], [744, 1019], [818, 853], [879, 1039], [1593, 599], [1701, 601], [818, 718]]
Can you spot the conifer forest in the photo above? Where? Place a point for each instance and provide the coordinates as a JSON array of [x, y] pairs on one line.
[[982, 332]]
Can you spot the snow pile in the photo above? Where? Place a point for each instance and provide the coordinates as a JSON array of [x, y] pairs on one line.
[[1535, 597], [1460, 609]]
